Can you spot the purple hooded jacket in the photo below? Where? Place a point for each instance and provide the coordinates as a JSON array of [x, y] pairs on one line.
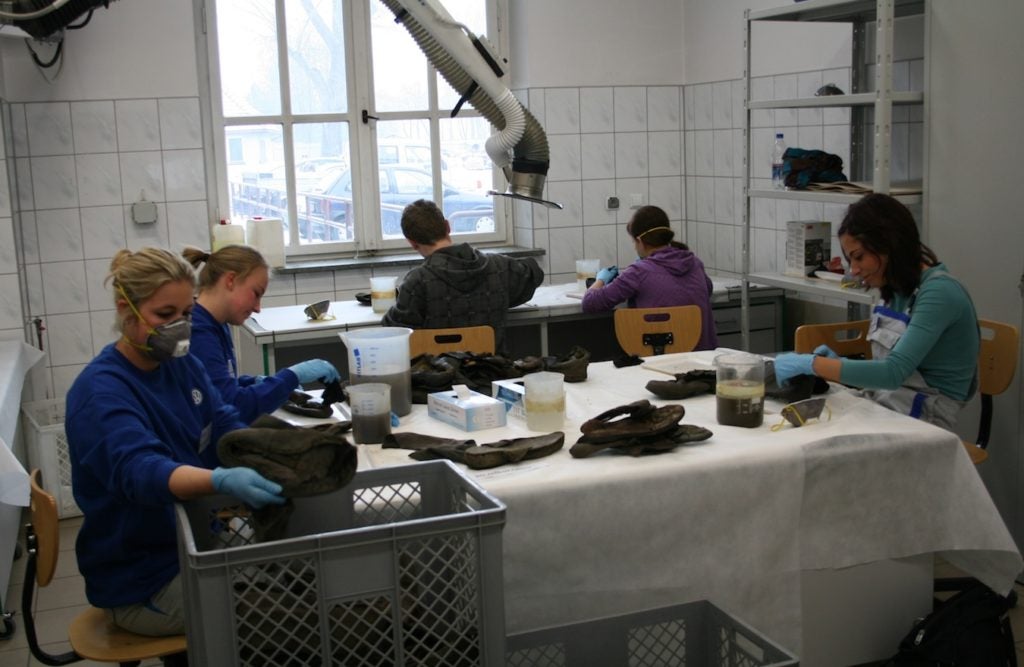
[[667, 277]]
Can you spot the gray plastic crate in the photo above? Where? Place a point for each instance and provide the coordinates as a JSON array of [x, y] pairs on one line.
[[400, 567], [696, 634]]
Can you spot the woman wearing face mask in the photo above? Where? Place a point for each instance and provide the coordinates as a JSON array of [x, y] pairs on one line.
[[232, 282], [924, 335], [666, 274], [142, 424]]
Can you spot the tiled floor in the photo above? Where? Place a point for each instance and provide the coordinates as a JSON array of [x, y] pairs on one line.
[[56, 604]]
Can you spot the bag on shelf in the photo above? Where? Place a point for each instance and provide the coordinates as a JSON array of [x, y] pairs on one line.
[[801, 167]]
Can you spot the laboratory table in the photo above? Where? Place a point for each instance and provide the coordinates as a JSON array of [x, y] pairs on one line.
[[549, 323], [822, 537]]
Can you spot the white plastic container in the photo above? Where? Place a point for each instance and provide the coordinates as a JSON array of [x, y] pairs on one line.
[[226, 234], [267, 236], [381, 354], [545, 401]]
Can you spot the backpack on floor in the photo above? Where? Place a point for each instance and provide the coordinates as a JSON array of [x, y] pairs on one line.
[[970, 629]]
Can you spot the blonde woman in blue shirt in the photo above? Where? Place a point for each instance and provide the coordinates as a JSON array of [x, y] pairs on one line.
[[924, 335]]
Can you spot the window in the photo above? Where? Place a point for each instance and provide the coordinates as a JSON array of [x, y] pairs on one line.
[[327, 115]]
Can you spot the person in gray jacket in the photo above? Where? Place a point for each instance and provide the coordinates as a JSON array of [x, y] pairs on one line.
[[457, 285]]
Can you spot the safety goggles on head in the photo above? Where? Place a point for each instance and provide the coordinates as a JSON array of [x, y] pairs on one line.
[[799, 413]]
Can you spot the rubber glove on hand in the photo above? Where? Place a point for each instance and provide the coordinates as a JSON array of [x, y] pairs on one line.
[[248, 486], [607, 274], [825, 351], [788, 366], [315, 369]]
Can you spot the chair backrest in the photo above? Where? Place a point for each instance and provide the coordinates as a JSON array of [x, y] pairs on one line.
[[43, 512], [997, 358], [847, 339], [478, 339], [649, 331]]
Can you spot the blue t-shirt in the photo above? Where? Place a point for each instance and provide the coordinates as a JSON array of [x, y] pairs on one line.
[[127, 431], [211, 343]]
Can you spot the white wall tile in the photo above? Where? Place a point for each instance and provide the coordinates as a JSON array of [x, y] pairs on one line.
[[762, 250], [29, 236], [601, 243], [689, 153], [667, 193], [142, 172], [94, 127], [316, 281], [704, 153], [595, 196], [665, 153], [721, 105], [99, 291], [562, 106], [99, 179], [738, 108], [704, 244], [138, 125], [5, 192], [725, 201], [631, 154], [664, 108], [187, 224], [723, 149], [19, 130], [180, 126], [64, 377], [705, 199], [10, 302], [565, 157], [630, 109], [703, 107], [596, 110], [283, 284], [54, 182], [689, 119], [60, 235], [184, 176], [64, 287], [570, 195], [629, 187], [598, 155], [8, 255], [102, 231], [25, 196], [726, 257], [69, 339], [34, 287], [49, 128], [565, 247], [538, 105]]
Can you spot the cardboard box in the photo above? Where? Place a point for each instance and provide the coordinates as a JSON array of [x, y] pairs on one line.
[[808, 246], [513, 394], [466, 409]]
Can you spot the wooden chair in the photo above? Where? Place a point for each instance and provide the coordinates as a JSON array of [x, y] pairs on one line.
[[479, 339], [91, 635], [847, 339], [997, 364], [647, 331]]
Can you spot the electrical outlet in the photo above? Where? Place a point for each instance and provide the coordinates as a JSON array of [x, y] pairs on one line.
[[612, 203]]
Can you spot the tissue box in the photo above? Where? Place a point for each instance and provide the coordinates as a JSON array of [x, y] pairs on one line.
[[513, 394], [808, 246], [470, 411]]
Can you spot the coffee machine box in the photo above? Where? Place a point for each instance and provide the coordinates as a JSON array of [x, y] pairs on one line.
[[466, 409], [808, 246]]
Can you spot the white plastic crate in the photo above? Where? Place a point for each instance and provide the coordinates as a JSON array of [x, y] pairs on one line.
[[48, 450], [400, 567]]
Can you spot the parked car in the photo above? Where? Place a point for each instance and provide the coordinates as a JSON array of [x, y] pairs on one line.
[[401, 185]]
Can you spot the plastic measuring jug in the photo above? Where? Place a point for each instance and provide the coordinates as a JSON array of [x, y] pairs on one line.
[[381, 354], [371, 411]]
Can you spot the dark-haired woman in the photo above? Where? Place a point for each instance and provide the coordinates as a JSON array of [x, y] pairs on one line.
[[667, 273], [232, 281], [924, 335]]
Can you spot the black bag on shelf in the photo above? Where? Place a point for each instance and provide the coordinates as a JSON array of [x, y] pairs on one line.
[[801, 166], [970, 629]]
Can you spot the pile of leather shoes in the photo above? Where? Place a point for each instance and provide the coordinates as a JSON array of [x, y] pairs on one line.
[[573, 365], [477, 457], [637, 428], [691, 383]]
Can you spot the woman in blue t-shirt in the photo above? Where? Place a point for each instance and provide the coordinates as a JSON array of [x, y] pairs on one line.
[[924, 335], [142, 423]]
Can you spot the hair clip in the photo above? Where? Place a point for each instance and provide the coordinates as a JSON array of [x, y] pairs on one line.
[[800, 413]]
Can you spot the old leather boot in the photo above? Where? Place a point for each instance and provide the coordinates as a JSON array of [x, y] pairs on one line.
[[492, 454], [639, 419], [572, 365], [691, 383]]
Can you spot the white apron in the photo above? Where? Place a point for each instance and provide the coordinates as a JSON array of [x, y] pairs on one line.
[[915, 398]]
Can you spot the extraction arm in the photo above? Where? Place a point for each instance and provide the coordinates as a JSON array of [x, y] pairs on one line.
[[468, 64]]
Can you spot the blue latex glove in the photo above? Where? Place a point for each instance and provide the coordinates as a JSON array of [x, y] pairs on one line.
[[825, 351], [394, 420], [315, 369], [788, 366], [256, 379], [607, 274], [248, 486]]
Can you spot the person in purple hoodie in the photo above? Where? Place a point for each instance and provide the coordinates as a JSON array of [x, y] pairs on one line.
[[666, 274]]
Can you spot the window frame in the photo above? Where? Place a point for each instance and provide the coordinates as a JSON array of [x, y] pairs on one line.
[[368, 237]]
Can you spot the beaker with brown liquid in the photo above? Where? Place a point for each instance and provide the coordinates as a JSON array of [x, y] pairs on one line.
[[739, 390]]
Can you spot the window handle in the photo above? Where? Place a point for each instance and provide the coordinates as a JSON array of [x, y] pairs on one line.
[[367, 117]]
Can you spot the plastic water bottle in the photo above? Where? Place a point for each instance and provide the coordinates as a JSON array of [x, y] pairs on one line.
[[777, 152]]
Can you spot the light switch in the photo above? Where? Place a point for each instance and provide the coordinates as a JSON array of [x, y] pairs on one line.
[[636, 200]]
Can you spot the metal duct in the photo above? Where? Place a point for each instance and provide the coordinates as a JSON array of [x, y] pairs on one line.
[[528, 167]]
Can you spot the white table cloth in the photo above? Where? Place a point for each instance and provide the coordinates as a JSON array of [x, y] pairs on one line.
[[733, 519]]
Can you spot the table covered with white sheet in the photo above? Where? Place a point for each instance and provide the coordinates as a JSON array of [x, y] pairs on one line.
[[734, 519]]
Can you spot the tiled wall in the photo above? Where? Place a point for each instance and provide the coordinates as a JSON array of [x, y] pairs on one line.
[[78, 166]]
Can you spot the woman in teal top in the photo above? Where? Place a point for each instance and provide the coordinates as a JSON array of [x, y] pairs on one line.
[[924, 335]]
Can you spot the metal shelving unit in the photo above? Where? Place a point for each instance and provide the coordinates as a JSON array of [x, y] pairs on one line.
[[878, 102]]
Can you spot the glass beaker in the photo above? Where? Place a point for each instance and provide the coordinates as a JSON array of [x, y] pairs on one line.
[[739, 389], [371, 411], [382, 293], [545, 401], [381, 354], [585, 269]]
